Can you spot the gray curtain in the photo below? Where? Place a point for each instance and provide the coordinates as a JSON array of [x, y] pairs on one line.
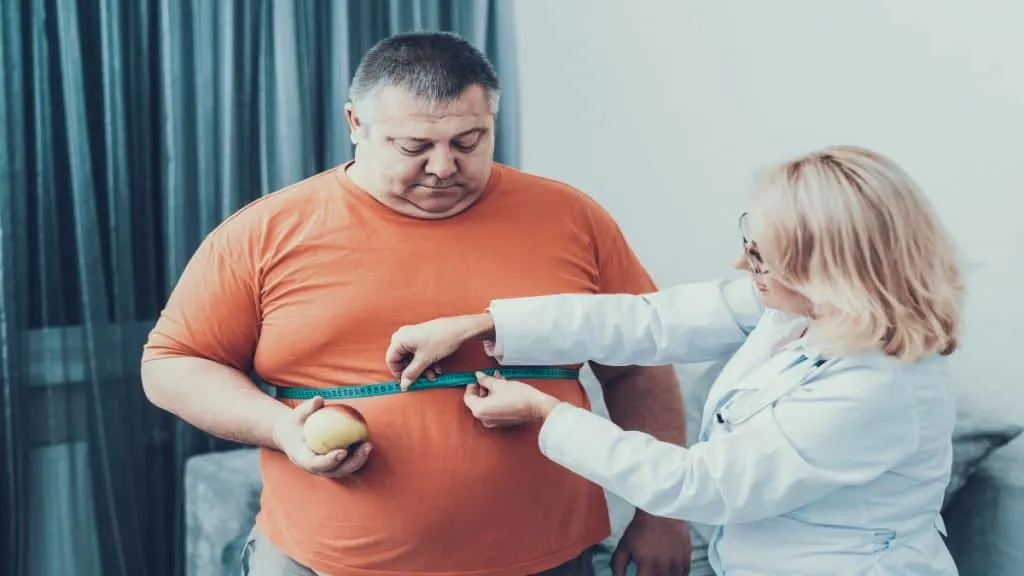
[[128, 130]]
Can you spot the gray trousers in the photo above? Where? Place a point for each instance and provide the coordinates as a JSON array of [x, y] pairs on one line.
[[261, 558]]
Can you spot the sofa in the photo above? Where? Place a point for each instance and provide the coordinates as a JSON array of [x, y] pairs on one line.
[[984, 508]]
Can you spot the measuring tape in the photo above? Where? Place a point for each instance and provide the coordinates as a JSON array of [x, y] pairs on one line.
[[453, 380]]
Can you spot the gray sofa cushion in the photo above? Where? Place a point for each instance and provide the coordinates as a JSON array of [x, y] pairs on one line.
[[974, 439], [985, 519], [222, 497]]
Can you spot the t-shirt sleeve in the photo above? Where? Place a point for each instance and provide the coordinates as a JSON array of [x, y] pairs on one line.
[[213, 310], [619, 268]]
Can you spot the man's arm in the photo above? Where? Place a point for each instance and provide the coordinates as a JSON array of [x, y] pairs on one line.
[[196, 362], [648, 399], [223, 402], [645, 398], [215, 398]]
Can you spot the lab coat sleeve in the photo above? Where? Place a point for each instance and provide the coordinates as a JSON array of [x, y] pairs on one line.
[[686, 323], [845, 429]]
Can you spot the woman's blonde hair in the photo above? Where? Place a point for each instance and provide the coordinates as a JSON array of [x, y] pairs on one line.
[[850, 230]]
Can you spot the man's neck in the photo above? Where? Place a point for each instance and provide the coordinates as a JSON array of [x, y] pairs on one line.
[[355, 173]]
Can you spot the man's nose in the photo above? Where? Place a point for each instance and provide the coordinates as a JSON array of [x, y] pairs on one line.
[[442, 164]]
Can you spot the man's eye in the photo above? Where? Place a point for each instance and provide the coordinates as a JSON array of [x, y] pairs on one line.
[[415, 151], [467, 144]]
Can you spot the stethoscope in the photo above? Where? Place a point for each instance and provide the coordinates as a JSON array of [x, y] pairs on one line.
[[740, 405]]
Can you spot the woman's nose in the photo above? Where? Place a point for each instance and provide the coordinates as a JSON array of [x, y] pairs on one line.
[[742, 263]]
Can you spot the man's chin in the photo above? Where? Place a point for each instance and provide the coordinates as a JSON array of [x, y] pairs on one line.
[[438, 212], [442, 205]]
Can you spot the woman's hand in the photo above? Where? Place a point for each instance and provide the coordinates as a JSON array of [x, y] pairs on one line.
[[497, 402], [417, 348]]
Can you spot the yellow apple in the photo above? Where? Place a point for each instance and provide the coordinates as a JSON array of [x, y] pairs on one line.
[[334, 426]]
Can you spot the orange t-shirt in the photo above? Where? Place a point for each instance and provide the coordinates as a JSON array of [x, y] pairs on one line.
[[307, 285]]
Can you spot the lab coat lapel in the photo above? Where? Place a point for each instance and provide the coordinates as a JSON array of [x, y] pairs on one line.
[[778, 384], [760, 347]]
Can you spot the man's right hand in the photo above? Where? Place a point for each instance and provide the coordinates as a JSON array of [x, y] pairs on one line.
[[289, 438], [416, 349]]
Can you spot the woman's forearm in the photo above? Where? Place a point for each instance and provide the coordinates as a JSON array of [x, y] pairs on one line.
[[686, 323]]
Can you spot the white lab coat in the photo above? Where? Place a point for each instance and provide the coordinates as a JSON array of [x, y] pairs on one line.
[[837, 468]]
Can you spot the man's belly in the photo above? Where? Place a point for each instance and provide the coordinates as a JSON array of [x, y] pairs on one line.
[[440, 493]]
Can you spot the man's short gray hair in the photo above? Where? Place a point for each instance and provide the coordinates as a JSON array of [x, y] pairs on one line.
[[434, 66]]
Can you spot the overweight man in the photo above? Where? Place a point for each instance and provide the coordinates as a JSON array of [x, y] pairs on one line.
[[305, 286]]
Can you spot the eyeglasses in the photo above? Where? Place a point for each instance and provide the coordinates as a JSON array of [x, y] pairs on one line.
[[750, 249]]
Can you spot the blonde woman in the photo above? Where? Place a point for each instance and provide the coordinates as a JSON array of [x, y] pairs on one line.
[[825, 445]]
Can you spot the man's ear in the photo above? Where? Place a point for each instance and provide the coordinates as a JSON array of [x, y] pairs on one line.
[[354, 126]]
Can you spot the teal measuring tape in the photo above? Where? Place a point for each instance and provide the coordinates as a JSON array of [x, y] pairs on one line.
[[453, 380]]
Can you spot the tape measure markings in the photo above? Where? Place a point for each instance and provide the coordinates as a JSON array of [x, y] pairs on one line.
[[452, 380]]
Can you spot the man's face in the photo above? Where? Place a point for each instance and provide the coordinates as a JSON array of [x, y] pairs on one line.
[[424, 160]]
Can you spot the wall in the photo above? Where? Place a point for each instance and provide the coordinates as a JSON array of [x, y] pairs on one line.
[[662, 109]]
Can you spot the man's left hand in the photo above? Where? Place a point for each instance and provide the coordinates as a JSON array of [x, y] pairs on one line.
[[658, 547]]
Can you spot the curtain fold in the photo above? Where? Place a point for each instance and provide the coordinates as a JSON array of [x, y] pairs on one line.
[[129, 129], [13, 293]]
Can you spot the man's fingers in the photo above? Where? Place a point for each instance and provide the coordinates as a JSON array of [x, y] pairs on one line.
[[489, 348], [336, 463], [673, 567], [321, 463], [356, 460], [620, 559], [302, 411]]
